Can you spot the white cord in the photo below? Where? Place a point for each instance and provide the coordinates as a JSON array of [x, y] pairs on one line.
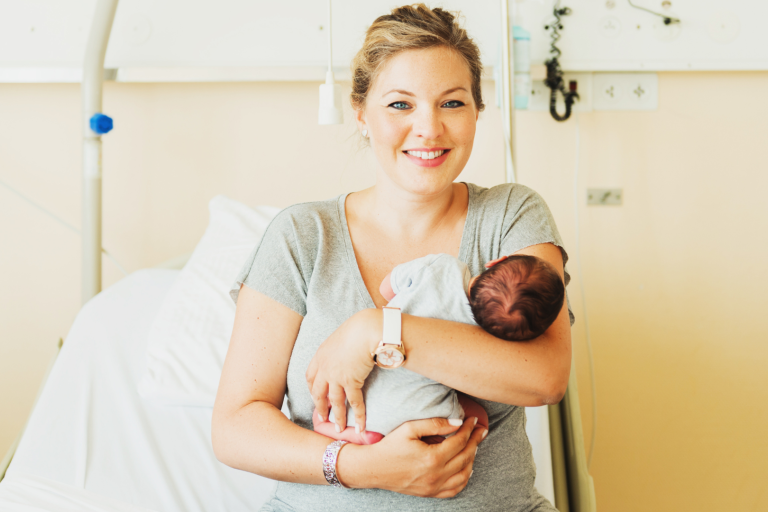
[[61, 221], [330, 35], [576, 201]]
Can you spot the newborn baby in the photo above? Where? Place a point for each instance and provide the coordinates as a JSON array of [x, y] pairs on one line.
[[516, 299]]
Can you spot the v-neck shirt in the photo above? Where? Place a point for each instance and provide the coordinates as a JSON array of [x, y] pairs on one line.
[[306, 261]]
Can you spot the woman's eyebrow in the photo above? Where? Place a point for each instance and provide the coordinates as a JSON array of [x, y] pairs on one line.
[[407, 93]]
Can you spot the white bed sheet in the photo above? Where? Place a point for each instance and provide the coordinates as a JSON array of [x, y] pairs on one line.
[[91, 433], [93, 444]]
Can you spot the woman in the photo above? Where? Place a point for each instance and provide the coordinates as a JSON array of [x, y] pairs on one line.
[[309, 317]]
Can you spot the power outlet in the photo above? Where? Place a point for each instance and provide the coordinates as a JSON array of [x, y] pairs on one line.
[[604, 196], [540, 93], [625, 91]]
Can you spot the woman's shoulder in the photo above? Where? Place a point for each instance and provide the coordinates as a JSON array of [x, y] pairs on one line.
[[303, 219], [504, 200]]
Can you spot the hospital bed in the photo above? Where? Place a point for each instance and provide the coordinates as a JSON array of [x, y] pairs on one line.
[[95, 443]]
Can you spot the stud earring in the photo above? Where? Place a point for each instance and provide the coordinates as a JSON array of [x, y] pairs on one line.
[[365, 133]]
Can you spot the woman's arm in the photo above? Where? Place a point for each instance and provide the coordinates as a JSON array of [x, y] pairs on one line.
[[468, 359], [248, 430], [461, 356], [250, 433]]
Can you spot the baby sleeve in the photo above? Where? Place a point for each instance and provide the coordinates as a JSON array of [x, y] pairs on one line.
[[406, 274]]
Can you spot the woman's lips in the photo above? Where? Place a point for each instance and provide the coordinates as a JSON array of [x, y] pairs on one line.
[[434, 162]]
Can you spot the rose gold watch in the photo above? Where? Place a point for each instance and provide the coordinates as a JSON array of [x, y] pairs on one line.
[[390, 353]]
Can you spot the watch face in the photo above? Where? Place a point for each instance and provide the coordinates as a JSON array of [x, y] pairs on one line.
[[389, 357]]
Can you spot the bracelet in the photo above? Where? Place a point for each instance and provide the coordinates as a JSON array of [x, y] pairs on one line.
[[329, 463]]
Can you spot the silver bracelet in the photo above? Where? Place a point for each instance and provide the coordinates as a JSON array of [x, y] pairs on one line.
[[329, 463]]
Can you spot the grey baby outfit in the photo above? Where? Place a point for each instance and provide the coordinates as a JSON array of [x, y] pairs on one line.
[[305, 261], [433, 286]]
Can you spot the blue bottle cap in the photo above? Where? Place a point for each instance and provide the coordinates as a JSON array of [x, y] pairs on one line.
[[101, 123], [519, 32]]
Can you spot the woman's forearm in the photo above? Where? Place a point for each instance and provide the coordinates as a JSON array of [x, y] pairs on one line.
[[260, 439], [467, 358]]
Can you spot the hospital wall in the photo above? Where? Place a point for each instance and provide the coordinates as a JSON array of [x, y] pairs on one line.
[[674, 278]]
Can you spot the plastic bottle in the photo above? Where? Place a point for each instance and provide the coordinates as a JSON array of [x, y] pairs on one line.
[[522, 51]]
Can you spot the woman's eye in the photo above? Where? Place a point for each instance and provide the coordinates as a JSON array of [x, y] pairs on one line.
[[453, 104], [399, 105]]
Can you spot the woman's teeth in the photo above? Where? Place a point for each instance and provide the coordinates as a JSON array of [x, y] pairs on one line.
[[426, 155]]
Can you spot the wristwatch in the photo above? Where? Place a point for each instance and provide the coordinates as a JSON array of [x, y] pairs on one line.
[[390, 353]]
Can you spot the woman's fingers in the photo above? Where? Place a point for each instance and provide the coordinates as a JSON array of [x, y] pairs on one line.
[[337, 397], [454, 445], [356, 402], [431, 427], [320, 397], [466, 456]]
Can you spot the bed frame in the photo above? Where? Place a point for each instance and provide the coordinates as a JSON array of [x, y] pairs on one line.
[[574, 488]]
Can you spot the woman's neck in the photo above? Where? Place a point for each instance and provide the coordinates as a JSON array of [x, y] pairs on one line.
[[409, 216]]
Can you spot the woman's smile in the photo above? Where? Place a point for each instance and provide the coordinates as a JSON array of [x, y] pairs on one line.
[[427, 157]]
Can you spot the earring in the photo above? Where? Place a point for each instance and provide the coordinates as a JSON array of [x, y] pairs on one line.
[[365, 133]]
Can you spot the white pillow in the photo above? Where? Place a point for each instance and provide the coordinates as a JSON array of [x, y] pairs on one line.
[[189, 338]]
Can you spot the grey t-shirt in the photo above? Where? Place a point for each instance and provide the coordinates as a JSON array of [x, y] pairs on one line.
[[305, 261]]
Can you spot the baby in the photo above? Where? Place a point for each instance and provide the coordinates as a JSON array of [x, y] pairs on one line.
[[516, 299]]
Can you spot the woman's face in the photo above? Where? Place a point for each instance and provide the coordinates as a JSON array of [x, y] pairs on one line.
[[421, 119]]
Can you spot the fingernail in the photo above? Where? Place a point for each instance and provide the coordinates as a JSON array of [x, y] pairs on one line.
[[357, 428], [471, 473], [455, 422], [475, 423], [476, 452], [485, 433], [338, 428]]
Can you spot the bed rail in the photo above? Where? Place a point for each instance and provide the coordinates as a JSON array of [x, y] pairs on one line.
[[574, 487], [91, 89]]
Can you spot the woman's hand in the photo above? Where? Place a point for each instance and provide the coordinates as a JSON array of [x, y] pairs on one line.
[[407, 465], [340, 366]]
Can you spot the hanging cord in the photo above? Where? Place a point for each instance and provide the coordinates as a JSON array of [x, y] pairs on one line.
[[330, 36], [60, 221], [668, 20], [554, 78], [576, 199]]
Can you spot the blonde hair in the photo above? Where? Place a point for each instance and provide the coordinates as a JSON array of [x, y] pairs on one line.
[[412, 27]]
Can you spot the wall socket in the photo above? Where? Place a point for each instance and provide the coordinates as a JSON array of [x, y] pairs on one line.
[[625, 91], [604, 196], [602, 91]]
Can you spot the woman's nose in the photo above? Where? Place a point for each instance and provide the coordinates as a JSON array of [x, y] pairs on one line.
[[427, 124]]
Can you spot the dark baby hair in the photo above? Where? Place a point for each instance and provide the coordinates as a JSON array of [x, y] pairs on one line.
[[518, 298]]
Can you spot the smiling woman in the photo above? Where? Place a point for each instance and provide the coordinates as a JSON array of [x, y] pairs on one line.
[[410, 123], [309, 306]]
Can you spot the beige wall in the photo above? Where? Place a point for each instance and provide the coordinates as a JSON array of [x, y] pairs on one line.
[[674, 278]]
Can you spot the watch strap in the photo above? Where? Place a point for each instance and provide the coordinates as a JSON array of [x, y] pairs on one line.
[[392, 334]]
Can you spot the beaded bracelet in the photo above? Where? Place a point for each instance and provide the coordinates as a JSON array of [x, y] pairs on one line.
[[329, 463]]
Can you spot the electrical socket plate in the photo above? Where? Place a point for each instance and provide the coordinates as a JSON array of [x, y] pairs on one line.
[[604, 196], [602, 91], [625, 91], [540, 93]]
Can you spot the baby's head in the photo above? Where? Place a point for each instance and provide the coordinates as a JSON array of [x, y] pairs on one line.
[[518, 298]]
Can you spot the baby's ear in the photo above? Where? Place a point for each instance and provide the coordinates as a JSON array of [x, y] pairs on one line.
[[385, 289], [497, 260]]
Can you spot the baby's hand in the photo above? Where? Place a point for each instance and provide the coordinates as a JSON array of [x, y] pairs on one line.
[[385, 289], [349, 434]]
